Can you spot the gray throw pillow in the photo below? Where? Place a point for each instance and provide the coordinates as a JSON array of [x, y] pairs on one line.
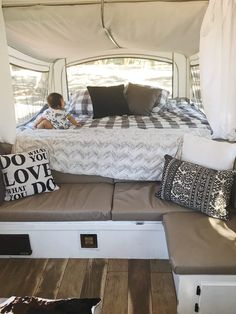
[[197, 187], [141, 99]]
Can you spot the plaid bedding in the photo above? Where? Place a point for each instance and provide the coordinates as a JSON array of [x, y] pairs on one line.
[[181, 117], [80, 104]]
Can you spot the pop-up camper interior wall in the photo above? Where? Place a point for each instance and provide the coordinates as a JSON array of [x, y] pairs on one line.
[[46, 37], [56, 39], [150, 85], [51, 36]]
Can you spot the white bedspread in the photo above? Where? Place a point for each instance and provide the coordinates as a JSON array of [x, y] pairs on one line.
[[126, 154]]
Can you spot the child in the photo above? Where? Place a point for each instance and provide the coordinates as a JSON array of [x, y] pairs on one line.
[[55, 117]]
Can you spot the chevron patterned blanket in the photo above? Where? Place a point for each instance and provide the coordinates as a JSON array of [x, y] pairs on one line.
[[117, 152]]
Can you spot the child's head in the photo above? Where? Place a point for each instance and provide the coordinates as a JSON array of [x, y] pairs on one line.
[[55, 101]]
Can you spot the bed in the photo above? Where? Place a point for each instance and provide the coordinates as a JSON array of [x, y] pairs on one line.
[[118, 147]]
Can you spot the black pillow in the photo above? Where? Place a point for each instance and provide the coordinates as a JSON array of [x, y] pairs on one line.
[[108, 101], [196, 187]]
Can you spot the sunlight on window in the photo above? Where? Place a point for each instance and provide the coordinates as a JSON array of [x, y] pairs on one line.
[[112, 71], [30, 92]]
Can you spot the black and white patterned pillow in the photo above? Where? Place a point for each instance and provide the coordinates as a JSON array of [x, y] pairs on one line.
[[30, 305], [26, 174], [196, 187]]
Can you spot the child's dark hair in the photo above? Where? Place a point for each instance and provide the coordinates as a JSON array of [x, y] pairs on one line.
[[54, 100]]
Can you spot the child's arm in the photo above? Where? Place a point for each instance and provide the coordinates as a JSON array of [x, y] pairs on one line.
[[38, 121], [72, 120]]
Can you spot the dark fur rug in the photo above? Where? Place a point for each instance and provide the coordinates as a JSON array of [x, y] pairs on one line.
[[34, 305]]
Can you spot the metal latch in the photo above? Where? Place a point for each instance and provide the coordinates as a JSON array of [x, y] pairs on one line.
[[198, 291]]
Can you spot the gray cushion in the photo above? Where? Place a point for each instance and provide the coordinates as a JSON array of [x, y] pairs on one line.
[[141, 99], [61, 177], [199, 244], [5, 148], [72, 202], [137, 201]]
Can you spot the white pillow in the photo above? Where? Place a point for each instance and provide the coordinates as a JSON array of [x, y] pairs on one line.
[[208, 153], [26, 174]]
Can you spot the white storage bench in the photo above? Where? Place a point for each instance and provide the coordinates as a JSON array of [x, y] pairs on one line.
[[125, 220], [202, 252]]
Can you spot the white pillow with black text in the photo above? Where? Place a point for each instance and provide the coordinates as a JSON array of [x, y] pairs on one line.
[[26, 174]]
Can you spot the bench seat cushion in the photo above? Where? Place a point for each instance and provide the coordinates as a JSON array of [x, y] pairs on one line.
[[136, 201], [199, 244], [72, 202]]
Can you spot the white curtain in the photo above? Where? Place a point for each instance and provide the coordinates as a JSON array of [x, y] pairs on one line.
[[218, 67], [7, 112]]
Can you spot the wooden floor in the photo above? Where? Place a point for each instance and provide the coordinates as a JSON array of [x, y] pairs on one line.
[[125, 286]]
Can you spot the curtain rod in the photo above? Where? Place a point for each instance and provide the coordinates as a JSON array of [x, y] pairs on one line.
[[107, 31]]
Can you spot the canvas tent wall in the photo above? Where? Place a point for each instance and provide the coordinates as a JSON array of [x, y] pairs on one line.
[[78, 31], [52, 30], [74, 30]]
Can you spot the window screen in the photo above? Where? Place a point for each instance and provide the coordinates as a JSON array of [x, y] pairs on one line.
[[30, 90], [195, 85], [112, 71]]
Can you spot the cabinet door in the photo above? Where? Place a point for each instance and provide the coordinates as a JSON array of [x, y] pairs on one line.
[[217, 298]]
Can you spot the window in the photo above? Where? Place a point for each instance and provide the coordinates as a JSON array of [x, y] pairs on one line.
[[195, 85], [29, 90], [120, 70]]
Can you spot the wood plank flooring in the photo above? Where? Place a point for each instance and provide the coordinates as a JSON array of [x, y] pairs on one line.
[[125, 286]]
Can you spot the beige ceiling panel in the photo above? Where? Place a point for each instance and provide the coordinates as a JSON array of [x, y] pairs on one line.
[[158, 26], [74, 31], [48, 32], [60, 2]]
